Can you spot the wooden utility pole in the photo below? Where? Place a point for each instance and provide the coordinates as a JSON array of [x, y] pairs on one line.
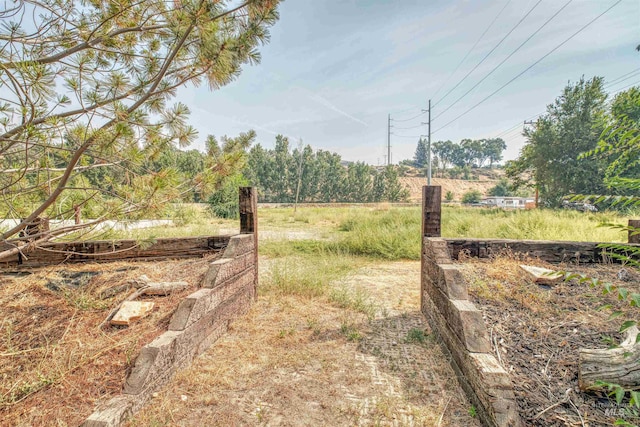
[[428, 123], [389, 140]]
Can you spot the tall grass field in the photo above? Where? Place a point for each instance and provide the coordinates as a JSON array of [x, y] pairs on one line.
[[390, 232]]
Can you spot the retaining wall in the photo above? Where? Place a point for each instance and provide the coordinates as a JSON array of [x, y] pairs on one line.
[[458, 322], [227, 291]]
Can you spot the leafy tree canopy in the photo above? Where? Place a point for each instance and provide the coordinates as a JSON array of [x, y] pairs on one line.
[[572, 125]]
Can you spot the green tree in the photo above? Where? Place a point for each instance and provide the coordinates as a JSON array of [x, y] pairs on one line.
[[493, 149], [501, 189], [421, 157], [444, 152], [101, 75], [473, 196], [571, 126]]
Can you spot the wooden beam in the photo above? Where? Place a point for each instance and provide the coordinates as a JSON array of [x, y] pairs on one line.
[[634, 238], [249, 222], [431, 210], [548, 250], [107, 251]]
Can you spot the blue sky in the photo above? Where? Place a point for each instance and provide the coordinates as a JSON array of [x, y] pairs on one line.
[[334, 69]]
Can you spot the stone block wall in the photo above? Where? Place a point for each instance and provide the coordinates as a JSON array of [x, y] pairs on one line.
[[227, 291], [459, 324]]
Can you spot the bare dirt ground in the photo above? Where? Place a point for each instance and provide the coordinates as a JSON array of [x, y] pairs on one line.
[[457, 186], [296, 361], [537, 332]]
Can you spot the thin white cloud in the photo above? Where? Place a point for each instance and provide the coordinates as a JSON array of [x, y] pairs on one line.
[[326, 103]]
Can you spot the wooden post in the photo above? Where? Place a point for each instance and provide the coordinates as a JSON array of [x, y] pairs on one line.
[[635, 223], [431, 210], [249, 223], [248, 211], [76, 213]]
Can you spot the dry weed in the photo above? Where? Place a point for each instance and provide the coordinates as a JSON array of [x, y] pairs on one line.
[[55, 361]]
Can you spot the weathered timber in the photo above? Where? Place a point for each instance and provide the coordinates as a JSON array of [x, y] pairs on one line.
[[633, 237], [463, 335], [431, 210], [616, 365], [132, 311], [248, 198], [107, 251], [543, 276], [547, 250]]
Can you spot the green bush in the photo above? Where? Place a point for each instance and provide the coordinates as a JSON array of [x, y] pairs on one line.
[[473, 196]]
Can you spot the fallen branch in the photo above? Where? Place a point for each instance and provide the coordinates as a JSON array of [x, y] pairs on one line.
[[617, 365]]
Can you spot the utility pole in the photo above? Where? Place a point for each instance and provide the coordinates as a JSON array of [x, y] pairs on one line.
[[428, 142], [389, 140], [532, 123], [300, 147], [429, 146]]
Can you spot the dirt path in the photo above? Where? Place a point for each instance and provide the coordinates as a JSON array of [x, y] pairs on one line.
[[296, 361]]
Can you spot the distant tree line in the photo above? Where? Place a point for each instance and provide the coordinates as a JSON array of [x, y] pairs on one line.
[[286, 175]]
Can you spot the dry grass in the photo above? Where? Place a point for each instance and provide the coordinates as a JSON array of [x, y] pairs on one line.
[[301, 359], [537, 332], [55, 361]]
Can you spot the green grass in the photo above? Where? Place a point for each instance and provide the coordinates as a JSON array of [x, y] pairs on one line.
[[394, 233], [391, 233]]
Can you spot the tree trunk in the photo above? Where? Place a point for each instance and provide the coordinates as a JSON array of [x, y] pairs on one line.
[[617, 365]]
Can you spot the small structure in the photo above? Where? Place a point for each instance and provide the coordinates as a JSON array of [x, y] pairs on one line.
[[509, 202]]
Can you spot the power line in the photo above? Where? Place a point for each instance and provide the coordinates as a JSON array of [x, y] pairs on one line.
[[530, 66], [406, 136], [627, 87], [407, 128], [614, 81], [408, 120], [490, 52], [611, 83], [472, 48], [505, 59]]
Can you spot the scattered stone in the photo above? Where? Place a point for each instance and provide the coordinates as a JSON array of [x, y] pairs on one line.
[[543, 276], [624, 275], [183, 397], [131, 311]]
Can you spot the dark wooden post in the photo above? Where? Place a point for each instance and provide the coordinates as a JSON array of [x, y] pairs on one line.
[[431, 210], [249, 223], [635, 223], [248, 210]]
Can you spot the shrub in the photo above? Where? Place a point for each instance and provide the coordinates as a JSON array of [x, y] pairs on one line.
[[449, 196], [473, 196]]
